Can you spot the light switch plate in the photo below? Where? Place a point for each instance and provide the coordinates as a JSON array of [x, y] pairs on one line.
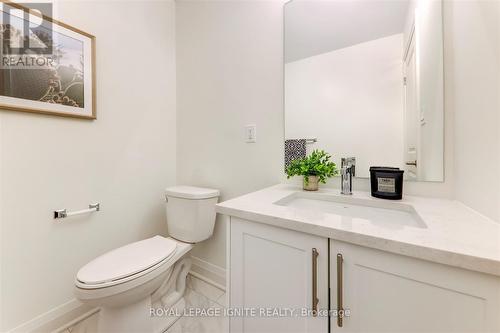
[[250, 133]]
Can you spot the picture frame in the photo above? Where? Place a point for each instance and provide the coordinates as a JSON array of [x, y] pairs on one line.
[[46, 66]]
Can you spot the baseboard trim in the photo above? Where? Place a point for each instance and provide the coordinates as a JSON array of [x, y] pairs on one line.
[[208, 272], [76, 320], [54, 319]]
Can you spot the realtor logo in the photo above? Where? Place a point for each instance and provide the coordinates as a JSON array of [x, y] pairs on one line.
[[24, 31]]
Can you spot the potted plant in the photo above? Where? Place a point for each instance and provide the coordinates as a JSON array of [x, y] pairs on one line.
[[315, 169]]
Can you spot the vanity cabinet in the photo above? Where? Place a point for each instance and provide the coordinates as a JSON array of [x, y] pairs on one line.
[[273, 268], [277, 268], [386, 292]]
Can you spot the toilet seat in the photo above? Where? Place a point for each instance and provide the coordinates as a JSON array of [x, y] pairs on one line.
[[131, 288], [126, 263]]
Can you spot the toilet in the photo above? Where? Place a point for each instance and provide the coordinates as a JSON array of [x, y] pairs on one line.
[[136, 284]]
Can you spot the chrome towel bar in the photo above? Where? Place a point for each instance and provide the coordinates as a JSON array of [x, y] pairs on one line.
[[63, 213]]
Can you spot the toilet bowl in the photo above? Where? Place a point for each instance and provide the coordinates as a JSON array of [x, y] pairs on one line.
[[129, 282]]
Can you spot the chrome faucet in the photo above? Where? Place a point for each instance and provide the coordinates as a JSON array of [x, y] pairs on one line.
[[347, 171]]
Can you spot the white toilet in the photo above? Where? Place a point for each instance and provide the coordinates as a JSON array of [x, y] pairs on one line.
[[130, 282]]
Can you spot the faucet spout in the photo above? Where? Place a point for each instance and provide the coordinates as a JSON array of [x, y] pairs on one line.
[[346, 181], [347, 172]]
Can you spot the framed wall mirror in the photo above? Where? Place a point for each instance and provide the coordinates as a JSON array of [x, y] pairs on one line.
[[364, 79]]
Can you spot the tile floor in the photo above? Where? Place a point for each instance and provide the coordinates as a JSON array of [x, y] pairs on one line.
[[199, 295]]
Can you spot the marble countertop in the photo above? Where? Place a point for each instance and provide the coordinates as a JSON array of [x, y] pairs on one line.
[[455, 234]]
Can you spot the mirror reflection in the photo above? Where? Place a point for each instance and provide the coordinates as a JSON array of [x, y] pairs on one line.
[[364, 79]]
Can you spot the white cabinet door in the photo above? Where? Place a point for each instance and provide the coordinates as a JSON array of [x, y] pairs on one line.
[[386, 292], [272, 268]]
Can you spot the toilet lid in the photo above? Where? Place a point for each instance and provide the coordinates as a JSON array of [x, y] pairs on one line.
[[127, 260]]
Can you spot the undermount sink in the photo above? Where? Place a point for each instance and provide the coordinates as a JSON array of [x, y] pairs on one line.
[[377, 212]]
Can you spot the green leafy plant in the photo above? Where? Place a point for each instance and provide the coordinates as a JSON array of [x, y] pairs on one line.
[[316, 164]]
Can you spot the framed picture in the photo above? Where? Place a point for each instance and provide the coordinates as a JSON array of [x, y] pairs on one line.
[[46, 66]]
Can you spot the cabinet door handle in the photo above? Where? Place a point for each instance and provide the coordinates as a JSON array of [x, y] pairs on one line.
[[340, 293], [315, 299]]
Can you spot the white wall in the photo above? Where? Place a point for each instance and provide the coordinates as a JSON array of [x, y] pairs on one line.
[[229, 74], [124, 160], [326, 94], [473, 31]]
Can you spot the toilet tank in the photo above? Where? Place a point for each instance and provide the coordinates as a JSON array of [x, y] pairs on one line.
[[190, 212]]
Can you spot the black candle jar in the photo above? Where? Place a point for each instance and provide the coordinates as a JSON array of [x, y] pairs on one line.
[[386, 182]]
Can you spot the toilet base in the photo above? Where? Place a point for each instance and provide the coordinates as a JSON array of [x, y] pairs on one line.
[[136, 318], [155, 313], [132, 318]]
